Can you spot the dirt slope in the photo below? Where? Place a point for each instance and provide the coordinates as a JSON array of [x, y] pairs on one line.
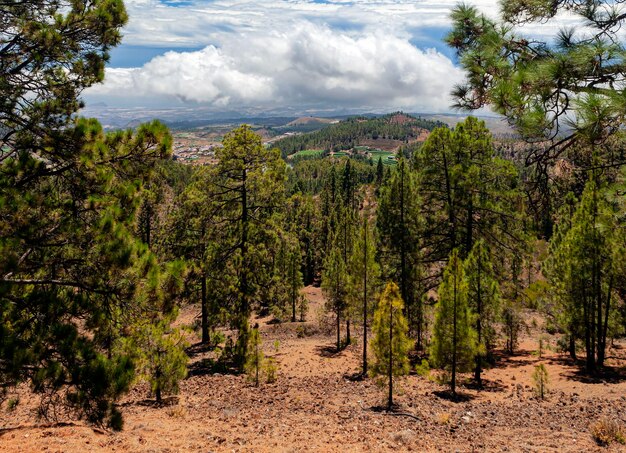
[[315, 405]]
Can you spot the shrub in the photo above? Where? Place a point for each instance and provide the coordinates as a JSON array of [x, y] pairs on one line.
[[161, 358], [543, 345], [217, 338], [606, 431], [271, 370], [540, 381], [423, 369], [255, 358], [13, 403], [303, 307]]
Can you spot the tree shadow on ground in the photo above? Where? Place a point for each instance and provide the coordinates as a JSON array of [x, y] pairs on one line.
[[9, 429], [459, 397], [329, 351], [151, 402], [211, 366], [357, 376], [200, 348], [517, 360], [395, 410], [607, 375], [486, 385]]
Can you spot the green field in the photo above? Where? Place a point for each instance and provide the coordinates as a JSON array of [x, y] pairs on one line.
[[376, 153], [308, 153]]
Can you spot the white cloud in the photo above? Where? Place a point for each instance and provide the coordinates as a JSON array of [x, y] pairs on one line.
[[201, 22], [309, 66], [292, 53]]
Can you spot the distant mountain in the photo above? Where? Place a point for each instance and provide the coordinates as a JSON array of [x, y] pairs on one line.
[[307, 120], [280, 122], [497, 125], [387, 132]]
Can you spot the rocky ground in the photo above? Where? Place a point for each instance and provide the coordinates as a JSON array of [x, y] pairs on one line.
[[316, 404]]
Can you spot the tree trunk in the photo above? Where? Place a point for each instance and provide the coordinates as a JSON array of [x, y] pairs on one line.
[[338, 332], [157, 375], [148, 225], [589, 350], [602, 350], [572, 346], [348, 340], [365, 297], [403, 283], [242, 340], [479, 313], [293, 292], [420, 321], [256, 361], [454, 340], [205, 312], [390, 397]]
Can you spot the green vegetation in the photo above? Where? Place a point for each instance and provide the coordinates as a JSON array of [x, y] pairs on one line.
[[345, 135], [68, 196], [540, 381], [363, 280], [255, 358], [390, 344], [454, 341], [104, 238], [308, 153]]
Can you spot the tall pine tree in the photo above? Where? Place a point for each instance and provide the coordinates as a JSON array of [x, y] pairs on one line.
[[398, 223], [246, 195], [483, 293], [363, 280], [454, 340], [390, 344]]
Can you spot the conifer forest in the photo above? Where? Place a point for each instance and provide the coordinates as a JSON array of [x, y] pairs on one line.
[[383, 282]]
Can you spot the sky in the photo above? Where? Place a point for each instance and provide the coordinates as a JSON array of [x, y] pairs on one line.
[[294, 55]]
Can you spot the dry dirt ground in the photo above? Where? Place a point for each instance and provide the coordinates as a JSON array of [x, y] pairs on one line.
[[316, 405]]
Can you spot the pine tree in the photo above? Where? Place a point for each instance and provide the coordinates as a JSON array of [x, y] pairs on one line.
[[468, 193], [255, 357], [483, 294], [363, 280], [191, 237], [564, 312], [544, 88], [398, 223], [69, 194], [294, 277], [348, 185], [334, 286], [454, 340], [303, 217], [584, 272], [344, 237], [390, 344], [380, 171], [160, 354], [540, 380], [246, 195]]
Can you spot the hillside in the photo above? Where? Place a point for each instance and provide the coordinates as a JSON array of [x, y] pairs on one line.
[[387, 133], [306, 120], [316, 404]]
